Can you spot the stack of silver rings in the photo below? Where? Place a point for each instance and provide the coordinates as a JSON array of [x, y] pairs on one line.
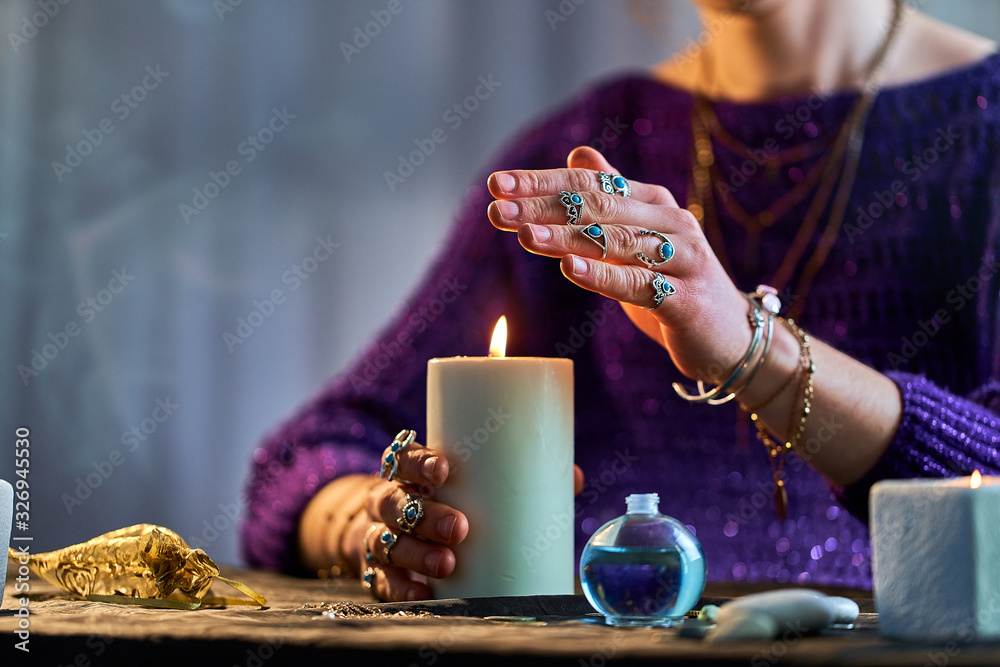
[[613, 184], [412, 512]]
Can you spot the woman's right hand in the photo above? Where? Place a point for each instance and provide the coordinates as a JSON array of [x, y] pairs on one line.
[[426, 550]]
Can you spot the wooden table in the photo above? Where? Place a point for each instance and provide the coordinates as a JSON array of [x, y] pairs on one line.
[[292, 630]]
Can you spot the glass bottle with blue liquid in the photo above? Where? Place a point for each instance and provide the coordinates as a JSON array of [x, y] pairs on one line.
[[643, 568]]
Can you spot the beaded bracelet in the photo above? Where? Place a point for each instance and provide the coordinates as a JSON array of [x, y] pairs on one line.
[[776, 452], [806, 388]]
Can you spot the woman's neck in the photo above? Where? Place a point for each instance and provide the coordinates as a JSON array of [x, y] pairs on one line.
[[756, 50], [781, 47]]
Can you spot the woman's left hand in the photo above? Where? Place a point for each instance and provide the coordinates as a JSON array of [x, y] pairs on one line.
[[702, 324]]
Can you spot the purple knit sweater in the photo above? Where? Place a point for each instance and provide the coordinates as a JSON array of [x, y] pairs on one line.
[[909, 288]]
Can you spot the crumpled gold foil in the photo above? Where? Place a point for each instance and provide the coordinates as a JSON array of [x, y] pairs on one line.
[[142, 564]]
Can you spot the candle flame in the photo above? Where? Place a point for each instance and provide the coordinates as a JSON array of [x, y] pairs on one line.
[[498, 346], [976, 480]]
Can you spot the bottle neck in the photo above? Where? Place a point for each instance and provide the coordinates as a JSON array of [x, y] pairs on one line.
[[643, 503]]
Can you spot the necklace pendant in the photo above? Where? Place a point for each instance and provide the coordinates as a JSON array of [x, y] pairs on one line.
[[780, 499]]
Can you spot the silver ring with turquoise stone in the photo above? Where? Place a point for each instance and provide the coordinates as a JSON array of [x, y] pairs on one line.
[[413, 512], [662, 289], [666, 249], [403, 439], [390, 464], [574, 206], [368, 578], [595, 233], [369, 556], [388, 541], [613, 184]]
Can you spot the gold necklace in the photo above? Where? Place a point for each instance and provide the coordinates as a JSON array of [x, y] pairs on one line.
[[841, 166], [702, 126], [771, 159]]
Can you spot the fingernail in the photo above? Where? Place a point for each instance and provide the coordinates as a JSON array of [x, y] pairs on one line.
[[540, 232], [506, 182], [446, 526], [578, 265], [429, 468], [432, 562], [509, 210], [411, 594]]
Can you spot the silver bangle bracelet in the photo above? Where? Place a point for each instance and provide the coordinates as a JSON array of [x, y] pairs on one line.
[[737, 390], [757, 321], [767, 298], [763, 305]]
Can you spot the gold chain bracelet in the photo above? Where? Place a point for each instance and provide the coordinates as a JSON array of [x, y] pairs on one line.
[[796, 420]]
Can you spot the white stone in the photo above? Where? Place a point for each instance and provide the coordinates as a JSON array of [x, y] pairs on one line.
[[782, 613], [845, 610], [806, 609], [936, 558], [743, 623]]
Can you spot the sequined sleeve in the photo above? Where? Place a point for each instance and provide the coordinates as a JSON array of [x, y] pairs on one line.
[[940, 435], [288, 468]]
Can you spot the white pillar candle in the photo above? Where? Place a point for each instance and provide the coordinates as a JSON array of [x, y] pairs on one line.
[[936, 558], [506, 427]]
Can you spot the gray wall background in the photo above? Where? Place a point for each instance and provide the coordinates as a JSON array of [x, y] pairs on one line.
[[159, 338]]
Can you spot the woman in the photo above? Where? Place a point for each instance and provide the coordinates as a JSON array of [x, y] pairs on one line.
[[874, 216]]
